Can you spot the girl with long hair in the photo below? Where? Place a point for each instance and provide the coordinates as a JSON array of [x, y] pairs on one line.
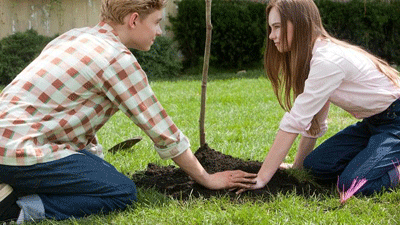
[[309, 70]]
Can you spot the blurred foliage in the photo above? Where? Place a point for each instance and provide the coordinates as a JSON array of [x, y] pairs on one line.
[[237, 37], [162, 61], [239, 29], [17, 51], [21, 48], [374, 25]]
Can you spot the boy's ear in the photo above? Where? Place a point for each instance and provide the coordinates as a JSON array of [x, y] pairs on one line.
[[134, 17]]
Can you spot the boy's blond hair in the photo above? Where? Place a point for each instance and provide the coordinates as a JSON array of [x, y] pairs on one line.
[[116, 10]]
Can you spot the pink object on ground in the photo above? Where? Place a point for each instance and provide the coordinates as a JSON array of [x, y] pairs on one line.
[[355, 186]]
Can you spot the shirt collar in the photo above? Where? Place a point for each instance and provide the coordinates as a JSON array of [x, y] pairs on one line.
[[105, 28]]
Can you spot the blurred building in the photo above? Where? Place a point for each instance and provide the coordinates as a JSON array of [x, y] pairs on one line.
[[51, 17]]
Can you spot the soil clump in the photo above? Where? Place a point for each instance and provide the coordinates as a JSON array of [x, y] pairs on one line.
[[174, 182]]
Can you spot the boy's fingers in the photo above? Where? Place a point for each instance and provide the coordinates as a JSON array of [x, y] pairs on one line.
[[245, 174], [240, 191]]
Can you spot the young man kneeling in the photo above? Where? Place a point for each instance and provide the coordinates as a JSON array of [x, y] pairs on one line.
[[51, 111]]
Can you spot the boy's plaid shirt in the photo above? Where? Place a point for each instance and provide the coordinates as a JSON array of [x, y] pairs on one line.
[[54, 107]]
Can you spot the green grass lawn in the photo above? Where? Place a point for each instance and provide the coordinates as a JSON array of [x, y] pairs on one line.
[[242, 118]]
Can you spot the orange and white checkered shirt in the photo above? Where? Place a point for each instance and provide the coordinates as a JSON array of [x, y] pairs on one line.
[[55, 106]]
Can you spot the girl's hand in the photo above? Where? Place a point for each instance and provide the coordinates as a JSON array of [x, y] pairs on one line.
[[285, 166], [259, 184]]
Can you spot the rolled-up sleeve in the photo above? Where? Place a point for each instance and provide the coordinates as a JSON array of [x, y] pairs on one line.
[[127, 87], [324, 78], [321, 116]]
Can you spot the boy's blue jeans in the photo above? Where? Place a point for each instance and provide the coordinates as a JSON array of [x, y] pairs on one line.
[[369, 149], [75, 186]]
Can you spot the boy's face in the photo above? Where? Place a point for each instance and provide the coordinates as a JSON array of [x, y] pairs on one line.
[[146, 31]]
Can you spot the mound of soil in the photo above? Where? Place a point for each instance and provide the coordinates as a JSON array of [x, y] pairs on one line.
[[174, 182]]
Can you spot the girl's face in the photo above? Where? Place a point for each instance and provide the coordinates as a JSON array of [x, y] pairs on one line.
[[274, 21]]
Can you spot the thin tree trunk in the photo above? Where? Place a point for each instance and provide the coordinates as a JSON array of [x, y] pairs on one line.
[[205, 72]]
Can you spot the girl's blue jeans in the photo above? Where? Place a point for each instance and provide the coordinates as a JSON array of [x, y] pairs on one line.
[[75, 186], [369, 149]]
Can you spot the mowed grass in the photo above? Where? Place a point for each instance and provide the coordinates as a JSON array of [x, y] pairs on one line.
[[242, 118]]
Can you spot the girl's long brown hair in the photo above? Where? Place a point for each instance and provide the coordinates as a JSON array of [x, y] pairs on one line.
[[288, 70]]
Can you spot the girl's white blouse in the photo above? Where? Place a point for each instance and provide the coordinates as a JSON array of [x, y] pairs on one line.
[[345, 77]]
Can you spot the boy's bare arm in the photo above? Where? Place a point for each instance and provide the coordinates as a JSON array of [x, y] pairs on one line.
[[221, 180]]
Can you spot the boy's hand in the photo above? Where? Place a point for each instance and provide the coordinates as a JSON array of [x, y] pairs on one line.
[[235, 179]]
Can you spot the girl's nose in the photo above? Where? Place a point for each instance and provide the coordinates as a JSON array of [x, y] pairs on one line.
[[271, 36]]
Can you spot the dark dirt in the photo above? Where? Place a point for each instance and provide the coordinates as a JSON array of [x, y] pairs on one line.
[[174, 182]]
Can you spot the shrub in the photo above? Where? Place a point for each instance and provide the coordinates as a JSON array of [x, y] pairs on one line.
[[237, 37], [162, 61], [239, 29], [239, 33], [188, 26], [21, 48], [374, 25], [17, 51]]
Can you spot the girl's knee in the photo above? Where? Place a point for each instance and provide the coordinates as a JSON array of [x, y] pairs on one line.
[[315, 162], [321, 171], [313, 166], [308, 163]]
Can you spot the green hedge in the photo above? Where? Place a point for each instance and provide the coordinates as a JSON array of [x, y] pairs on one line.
[[237, 37], [374, 25], [17, 51], [162, 61], [239, 29], [21, 48]]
